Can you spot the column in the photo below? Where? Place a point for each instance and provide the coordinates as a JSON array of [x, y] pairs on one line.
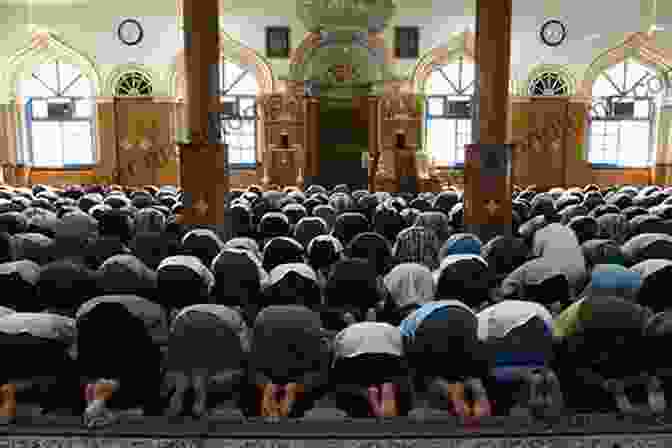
[[487, 190], [374, 140], [203, 159], [312, 139]]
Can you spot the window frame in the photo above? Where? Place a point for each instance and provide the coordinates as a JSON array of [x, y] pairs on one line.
[[250, 165], [459, 92], [224, 94], [621, 94], [28, 151]]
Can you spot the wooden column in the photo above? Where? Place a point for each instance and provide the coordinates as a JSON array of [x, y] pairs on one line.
[[312, 130], [203, 160], [487, 190], [374, 140]]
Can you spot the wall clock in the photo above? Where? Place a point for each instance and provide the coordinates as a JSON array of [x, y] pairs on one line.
[[130, 32], [553, 33]]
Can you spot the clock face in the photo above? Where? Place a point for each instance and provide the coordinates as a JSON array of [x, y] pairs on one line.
[[130, 32], [553, 33]]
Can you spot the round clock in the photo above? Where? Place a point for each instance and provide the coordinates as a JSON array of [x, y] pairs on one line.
[[130, 32], [553, 33]]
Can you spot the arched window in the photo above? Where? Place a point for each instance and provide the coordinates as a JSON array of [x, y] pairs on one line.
[[449, 90], [623, 116], [239, 88], [59, 117], [133, 84], [548, 84]]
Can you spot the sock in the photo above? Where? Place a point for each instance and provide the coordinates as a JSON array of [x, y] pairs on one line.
[[388, 397], [457, 399], [374, 401]]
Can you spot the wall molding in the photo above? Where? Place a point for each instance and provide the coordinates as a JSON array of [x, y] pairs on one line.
[[234, 51], [640, 46], [463, 44], [44, 48], [311, 42]]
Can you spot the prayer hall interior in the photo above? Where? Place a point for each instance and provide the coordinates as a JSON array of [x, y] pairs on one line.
[[379, 92], [467, 143]]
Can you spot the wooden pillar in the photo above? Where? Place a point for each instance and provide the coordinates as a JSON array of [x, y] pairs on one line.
[[374, 140], [487, 191], [203, 160], [312, 139]]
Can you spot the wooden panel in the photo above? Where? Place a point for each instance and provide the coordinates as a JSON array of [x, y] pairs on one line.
[[7, 133], [577, 168], [243, 179], [106, 138], [143, 120], [61, 177], [630, 176]]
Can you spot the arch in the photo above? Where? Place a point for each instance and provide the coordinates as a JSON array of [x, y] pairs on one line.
[[561, 70], [311, 41], [236, 52], [463, 44], [118, 72], [45, 48], [639, 46]]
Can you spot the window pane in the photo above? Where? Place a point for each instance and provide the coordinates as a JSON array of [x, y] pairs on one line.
[[634, 143], [437, 85], [83, 108], [81, 88], [441, 139], [642, 109], [603, 142], [463, 138], [452, 72], [78, 143], [246, 86], [47, 144], [616, 74], [247, 108], [467, 74], [635, 72], [249, 157], [435, 106], [602, 87], [234, 155], [600, 108], [33, 87], [67, 74], [39, 108], [47, 73], [230, 72]]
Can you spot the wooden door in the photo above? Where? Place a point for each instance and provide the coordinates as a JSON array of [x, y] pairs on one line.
[[143, 139]]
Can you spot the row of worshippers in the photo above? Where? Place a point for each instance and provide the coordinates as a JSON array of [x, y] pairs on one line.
[[464, 274]]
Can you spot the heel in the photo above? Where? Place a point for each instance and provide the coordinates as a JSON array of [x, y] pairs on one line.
[[389, 400], [8, 404]]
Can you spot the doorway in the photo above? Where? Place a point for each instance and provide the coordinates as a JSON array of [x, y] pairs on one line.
[[344, 140]]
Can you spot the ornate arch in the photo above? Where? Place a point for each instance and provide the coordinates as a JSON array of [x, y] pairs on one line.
[[639, 46], [236, 52], [45, 47], [311, 41], [462, 45], [119, 71], [561, 70]]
